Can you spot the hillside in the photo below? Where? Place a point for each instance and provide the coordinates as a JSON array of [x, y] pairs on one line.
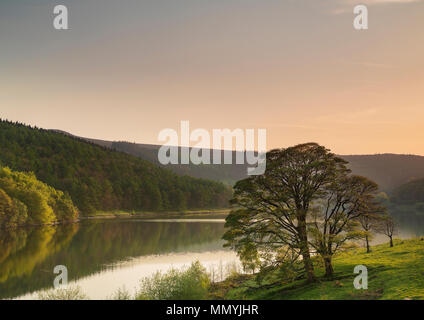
[[228, 174], [388, 170], [406, 203], [99, 178], [393, 273], [411, 192]]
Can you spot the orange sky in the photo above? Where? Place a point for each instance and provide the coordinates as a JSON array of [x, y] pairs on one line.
[[296, 68]]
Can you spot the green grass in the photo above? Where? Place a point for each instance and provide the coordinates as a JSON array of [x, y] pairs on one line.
[[393, 273]]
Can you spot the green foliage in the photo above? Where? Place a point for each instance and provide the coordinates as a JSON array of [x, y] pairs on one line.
[[121, 294], [249, 257], [273, 210], [25, 200], [190, 284], [6, 204], [307, 202], [98, 178]]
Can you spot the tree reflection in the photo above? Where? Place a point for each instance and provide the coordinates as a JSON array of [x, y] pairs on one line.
[[28, 256]]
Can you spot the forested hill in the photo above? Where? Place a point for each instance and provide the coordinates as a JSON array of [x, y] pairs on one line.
[[410, 193], [226, 173], [388, 170], [100, 178]]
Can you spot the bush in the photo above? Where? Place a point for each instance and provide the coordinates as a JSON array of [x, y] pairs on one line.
[[184, 284], [121, 294], [70, 293]]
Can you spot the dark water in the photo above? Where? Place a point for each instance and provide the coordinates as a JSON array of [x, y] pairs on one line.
[[103, 255]]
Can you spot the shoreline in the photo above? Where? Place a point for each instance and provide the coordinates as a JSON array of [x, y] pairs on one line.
[[206, 214], [200, 214]]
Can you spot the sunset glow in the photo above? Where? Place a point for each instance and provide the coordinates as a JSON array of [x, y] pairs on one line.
[[297, 68]]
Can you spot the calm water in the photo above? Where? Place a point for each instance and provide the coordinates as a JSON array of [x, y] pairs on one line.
[[105, 255]]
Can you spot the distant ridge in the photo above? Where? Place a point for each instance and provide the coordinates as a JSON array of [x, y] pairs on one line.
[[388, 170], [103, 143]]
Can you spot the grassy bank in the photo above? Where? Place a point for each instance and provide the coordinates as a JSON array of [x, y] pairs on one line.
[[393, 273]]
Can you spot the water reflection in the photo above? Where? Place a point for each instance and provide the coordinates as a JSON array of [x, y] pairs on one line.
[[28, 256], [103, 255]]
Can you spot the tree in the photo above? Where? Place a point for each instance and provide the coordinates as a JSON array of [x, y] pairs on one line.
[[337, 216], [271, 210], [26, 200], [369, 223], [249, 258], [6, 203], [389, 228]]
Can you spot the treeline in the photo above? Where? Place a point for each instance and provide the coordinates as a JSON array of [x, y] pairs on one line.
[[25, 200], [406, 202], [98, 178], [387, 170], [409, 193]]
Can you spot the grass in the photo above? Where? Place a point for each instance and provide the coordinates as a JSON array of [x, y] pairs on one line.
[[393, 273]]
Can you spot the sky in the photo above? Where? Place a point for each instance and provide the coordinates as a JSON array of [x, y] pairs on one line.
[[125, 70]]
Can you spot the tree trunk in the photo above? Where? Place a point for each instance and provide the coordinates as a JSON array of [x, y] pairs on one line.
[[309, 268], [391, 242], [304, 251], [329, 271], [368, 244]]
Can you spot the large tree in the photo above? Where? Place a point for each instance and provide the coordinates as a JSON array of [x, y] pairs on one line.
[[272, 210]]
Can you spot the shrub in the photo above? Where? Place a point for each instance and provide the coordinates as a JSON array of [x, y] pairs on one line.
[[70, 293], [121, 294], [184, 284]]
